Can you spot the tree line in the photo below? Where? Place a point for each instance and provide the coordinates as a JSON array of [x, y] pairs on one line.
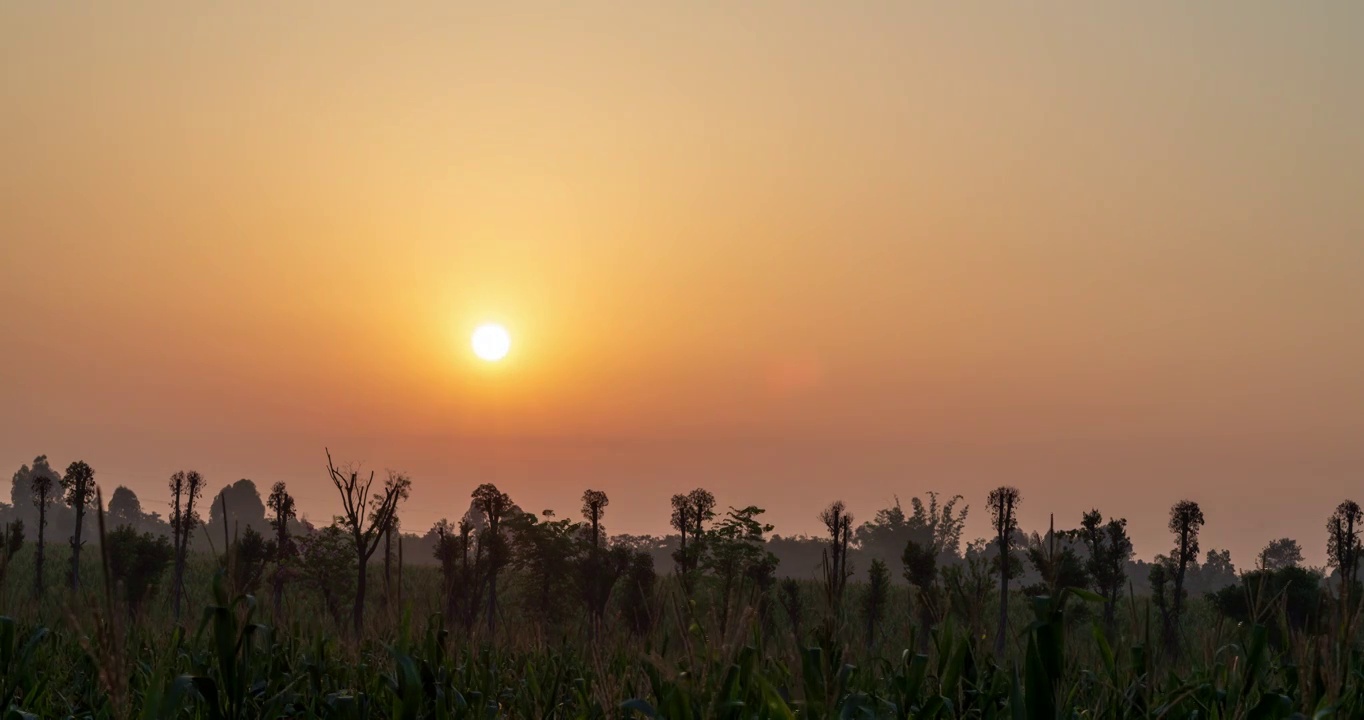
[[731, 553]]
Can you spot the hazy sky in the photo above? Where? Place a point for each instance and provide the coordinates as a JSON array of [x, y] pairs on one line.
[[789, 251]]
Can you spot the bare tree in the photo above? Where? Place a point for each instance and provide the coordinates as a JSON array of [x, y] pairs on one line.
[[185, 487], [494, 504], [364, 516], [281, 503], [79, 484], [1003, 502]]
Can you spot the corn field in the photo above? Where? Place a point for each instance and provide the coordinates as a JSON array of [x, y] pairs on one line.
[[86, 656]]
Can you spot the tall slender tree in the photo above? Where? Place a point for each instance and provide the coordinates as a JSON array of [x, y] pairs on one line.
[[1186, 520], [42, 483], [495, 506], [594, 507], [185, 488], [364, 516], [1003, 502], [79, 486], [838, 523], [281, 503], [681, 521]]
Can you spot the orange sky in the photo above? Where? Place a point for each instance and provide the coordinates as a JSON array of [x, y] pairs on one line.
[[787, 251]]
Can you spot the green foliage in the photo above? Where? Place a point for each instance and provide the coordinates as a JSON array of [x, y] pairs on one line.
[[137, 562]]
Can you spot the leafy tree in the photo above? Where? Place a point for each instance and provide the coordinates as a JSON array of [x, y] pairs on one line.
[[1110, 549], [690, 513], [246, 560], [1260, 593], [365, 516], [79, 486], [185, 488], [1344, 549], [1055, 559], [463, 566], [1280, 554], [1003, 502], [327, 563], [1186, 520], [876, 598], [794, 604], [681, 521], [930, 525], [546, 552], [1217, 571], [494, 506], [137, 562], [736, 554], [921, 570], [637, 603], [281, 503], [124, 508]]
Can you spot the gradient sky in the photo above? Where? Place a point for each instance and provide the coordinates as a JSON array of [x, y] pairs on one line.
[[790, 251]]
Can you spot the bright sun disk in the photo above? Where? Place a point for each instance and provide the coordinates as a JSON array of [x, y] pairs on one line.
[[491, 342]]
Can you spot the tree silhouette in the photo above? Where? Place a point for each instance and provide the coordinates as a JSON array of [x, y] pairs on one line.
[[1343, 551], [637, 603], [494, 505], [281, 503], [931, 524], [681, 521], [364, 517], [124, 508], [137, 562], [1279, 554], [875, 600], [245, 509], [462, 569], [1186, 520], [43, 488], [79, 484], [594, 507], [921, 570], [838, 523], [735, 552], [1003, 502], [11, 542], [185, 487], [1109, 551], [546, 551]]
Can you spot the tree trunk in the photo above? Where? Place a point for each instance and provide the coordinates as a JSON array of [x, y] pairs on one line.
[[38, 562], [492, 605], [388, 566], [76, 550], [358, 615], [1003, 597]]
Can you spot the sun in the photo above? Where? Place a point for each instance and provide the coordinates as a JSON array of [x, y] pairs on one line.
[[491, 342]]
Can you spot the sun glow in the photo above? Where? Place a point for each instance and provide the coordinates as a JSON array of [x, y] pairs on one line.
[[491, 342]]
